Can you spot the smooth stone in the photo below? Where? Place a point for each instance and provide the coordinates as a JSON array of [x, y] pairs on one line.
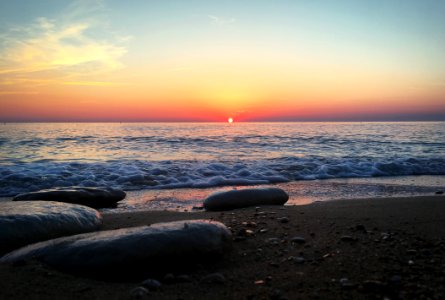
[[151, 284], [298, 240], [244, 198], [28, 222], [132, 252], [138, 293], [89, 196]]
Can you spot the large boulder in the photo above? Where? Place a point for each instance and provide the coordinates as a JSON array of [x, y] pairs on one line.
[[244, 198], [92, 197], [132, 252], [28, 222]]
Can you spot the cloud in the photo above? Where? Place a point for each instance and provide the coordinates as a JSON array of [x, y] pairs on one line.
[[66, 49], [218, 21], [52, 47]]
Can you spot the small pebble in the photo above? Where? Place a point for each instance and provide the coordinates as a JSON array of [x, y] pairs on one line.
[[151, 284], [373, 285], [283, 220], [298, 240], [273, 241], [138, 293], [214, 278], [348, 238]]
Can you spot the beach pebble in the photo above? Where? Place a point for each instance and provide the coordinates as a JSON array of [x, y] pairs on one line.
[[28, 222], [284, 220], [214, 278], [132, 252], [373, 285], [88, 196], [298, 240], [138, 293], [151, 284], [244, 198], [348, 238]]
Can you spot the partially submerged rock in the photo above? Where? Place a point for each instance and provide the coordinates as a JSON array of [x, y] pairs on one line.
[[28, 222], [244, 198], [89, 196], [132, 252]]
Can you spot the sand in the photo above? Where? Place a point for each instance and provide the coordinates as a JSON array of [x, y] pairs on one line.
[[353, 249]]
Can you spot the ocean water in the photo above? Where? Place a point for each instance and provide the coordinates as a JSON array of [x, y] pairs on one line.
[[156, 156]]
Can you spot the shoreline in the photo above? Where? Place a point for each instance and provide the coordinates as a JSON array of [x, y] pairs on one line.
[[394, 247]]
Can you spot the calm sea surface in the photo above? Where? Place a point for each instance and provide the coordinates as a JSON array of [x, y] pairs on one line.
[[136, 156]]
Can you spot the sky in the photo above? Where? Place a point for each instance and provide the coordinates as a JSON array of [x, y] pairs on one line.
[[199, 60]]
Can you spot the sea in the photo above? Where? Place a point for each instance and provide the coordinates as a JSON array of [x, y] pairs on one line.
[[175, 165]]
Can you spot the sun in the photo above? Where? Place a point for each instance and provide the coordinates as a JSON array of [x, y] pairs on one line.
[[230, 120]]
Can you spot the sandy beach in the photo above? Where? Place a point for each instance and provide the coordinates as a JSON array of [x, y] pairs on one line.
[[359, 249]]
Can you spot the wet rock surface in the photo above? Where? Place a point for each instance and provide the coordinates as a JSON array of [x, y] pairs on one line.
[[131, 252], [88, 196], [244, 198], [27, 222]]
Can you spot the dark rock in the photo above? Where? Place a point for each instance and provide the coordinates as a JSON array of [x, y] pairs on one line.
[[138, 293], [28, 222], [360, 227], [132, 252], [273, 241], [298, 240], [214, 278], [284, 220], [373, 286], [244, 198], [348, 238], [151, 284], [299, 260], [88, 196], [439, 192]]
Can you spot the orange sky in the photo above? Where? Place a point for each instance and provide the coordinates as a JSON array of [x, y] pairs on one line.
[[208, 62]]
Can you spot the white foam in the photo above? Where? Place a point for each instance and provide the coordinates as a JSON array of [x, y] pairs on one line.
[[133, 175]]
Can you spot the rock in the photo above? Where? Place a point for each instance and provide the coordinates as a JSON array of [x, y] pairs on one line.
[[373, 286], [88, 196], [299, 260], [132, 252], [151, 284], [28, 222], [439, 192], [298, 240], [284, 220], [138, 293], [348, 238], [244, 198], [214, 278]]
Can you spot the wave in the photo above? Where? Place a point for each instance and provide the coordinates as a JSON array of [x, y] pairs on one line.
[[135, 174]]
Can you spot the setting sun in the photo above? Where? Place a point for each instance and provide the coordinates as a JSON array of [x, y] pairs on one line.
[[230, 120]]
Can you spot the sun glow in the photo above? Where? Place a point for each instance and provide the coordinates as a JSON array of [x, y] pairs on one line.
[[230, 120]]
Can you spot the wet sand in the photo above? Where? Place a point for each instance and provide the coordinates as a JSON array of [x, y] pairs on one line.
[[354, 249]]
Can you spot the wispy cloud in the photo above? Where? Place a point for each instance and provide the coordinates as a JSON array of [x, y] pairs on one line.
[[219, 21], [67, 49]]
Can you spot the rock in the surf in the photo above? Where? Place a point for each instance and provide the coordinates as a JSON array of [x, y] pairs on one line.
[[92, 197], [244, 198], [132, 252], [28, 222]]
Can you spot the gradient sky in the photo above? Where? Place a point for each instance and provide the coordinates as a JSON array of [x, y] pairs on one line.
[[169, 60]]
